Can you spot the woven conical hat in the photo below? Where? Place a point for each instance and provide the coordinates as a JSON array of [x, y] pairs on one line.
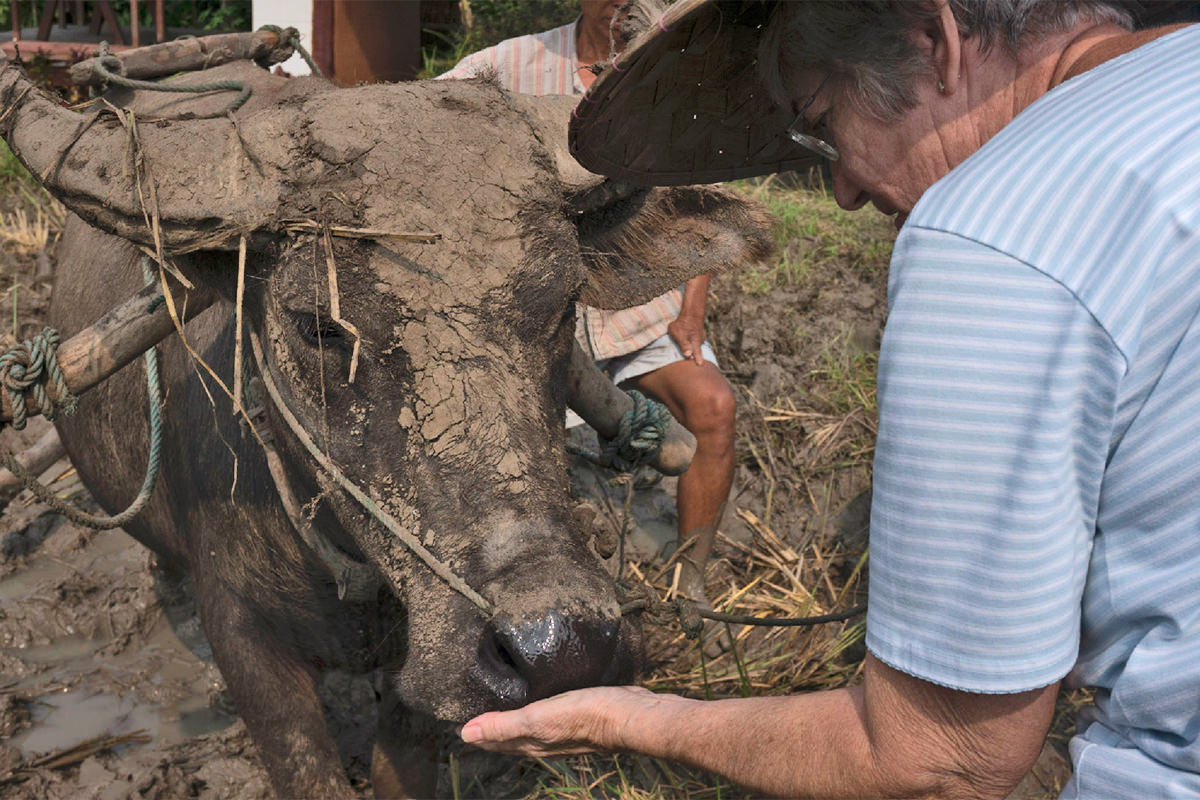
[[684, 103]]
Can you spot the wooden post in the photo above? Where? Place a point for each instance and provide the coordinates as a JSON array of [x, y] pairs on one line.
[[47, 20], [106, 12], [117, 338], [322, 36], [593, 397], [16, 20], [182, 55], [160, 26], [135, 24]]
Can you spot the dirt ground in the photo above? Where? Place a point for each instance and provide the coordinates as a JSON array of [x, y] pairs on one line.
[[107, 688]]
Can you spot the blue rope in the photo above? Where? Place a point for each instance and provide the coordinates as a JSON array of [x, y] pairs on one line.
[[101, 522], [640, 435]]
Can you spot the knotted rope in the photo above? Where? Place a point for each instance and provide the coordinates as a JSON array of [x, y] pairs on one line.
[[26, 368], [79, 517], [642, 598], [640, 435], [290, 37]]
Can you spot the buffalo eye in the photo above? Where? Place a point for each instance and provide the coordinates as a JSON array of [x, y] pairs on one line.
[[318, 330]]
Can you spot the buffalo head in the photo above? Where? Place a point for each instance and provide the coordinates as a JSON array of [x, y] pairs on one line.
[[459, 347]]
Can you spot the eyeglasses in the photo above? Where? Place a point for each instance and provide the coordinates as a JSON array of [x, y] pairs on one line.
[[815, 141]]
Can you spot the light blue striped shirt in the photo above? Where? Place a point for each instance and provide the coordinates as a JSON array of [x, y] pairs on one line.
[[1037, 478]]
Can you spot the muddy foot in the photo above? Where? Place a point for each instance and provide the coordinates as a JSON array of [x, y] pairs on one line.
[[716, 639]]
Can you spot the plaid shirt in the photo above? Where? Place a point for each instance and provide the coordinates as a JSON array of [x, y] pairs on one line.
[[547, 63]]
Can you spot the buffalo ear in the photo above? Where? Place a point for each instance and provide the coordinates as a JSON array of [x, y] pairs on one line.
[[643, 245]]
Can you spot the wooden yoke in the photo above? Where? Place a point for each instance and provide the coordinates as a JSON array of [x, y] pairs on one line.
[[184, 55], [600, 404], [117, 338]]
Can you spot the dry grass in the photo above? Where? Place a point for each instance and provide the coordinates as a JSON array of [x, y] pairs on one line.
[[767, 578], [30, 223], [29, 232]]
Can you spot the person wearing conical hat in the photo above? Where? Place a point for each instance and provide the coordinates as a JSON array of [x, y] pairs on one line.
[[1036, 502], [658, 348]]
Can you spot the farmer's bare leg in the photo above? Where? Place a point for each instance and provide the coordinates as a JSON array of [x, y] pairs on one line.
[[702, 400]]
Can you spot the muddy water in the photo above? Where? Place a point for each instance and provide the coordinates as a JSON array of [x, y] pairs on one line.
[[95, 641], [171, 707]]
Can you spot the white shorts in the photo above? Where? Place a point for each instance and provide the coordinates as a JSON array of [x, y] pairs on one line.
[[659, 353]]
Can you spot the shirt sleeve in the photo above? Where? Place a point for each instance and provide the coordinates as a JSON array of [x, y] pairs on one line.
[[997, 396], [471, 66]]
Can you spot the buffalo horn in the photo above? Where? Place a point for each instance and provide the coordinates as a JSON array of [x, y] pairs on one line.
[[180, 185], [601, 404]]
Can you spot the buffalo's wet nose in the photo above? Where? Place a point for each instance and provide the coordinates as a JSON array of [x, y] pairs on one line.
[[528, 659]]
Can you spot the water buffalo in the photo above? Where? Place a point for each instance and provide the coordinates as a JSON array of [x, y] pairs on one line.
[[453, 422]]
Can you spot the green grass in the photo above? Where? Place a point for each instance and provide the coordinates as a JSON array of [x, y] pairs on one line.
[[11, 170], [847, 376], [813, 233], [17, 186]]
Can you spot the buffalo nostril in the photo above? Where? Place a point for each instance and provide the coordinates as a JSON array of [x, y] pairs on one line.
[[500, 672], [506, 657], [556, 651]]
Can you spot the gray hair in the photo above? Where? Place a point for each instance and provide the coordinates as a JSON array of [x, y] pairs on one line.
[[866, 48]]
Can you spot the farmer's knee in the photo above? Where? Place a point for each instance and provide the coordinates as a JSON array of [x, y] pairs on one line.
[[711, 408]]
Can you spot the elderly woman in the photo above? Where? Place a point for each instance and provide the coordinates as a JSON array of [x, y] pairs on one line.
[[1036, 510]]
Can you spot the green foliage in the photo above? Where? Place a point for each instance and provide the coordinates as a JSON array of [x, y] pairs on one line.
[[19, 189], [209, 15], [812, 233], [12, 173], [497, 20], [493, 21], [443, 53], [225, 17]]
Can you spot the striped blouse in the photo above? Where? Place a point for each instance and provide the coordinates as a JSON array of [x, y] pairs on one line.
[[1036, 507]]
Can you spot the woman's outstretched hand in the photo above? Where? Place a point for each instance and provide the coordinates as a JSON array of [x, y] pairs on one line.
[[581, 721]]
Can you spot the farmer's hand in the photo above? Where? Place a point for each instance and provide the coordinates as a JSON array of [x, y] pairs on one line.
[[688, 333], [582, 721]]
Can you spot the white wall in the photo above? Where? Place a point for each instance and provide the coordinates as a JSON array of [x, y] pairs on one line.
[[296, 14]]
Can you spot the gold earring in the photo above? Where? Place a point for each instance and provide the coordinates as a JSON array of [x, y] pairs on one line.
[[941, 87]]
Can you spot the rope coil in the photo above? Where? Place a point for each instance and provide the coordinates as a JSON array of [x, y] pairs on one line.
[[153, 459], [640, 435], [26, 368]]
